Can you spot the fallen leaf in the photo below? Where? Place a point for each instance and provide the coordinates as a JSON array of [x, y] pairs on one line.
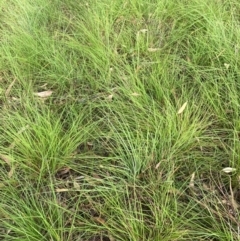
[[143, 30], [15, 99], [224, 201], [206, 187], [158, 165], [63, 171], [44, 85], [226, 65], [95, 175], [79, 178], [99, 220], [182, 108], [110, 97], [191, 184], [153, 49], [76, 185], [44, 94], [135, 94], [229, 169], [62, 190]]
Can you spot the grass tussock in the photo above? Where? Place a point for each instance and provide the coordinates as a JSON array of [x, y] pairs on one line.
[[119, 119]]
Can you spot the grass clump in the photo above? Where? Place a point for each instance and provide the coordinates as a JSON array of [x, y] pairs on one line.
[[118, 120], [41, 140]]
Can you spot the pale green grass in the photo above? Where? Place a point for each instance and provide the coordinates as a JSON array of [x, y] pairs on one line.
[[107, 156]]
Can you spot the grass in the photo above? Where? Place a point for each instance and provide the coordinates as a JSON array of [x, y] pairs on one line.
[[118, 119]]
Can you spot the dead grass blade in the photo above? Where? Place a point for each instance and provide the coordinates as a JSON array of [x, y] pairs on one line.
[[6, 159], [9, 88]]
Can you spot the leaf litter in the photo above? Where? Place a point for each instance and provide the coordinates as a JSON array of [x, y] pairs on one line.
[[180, 111], [44, 94], [8, 161]]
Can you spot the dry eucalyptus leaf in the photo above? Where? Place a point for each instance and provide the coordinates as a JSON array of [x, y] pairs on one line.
[[229, 169], [44, 85], [153, 49], [182, 108], [99, 220], [110, 97], [63, 171], [158, 165], [191, 184], [135, 94], [227, 66], [76, 185], [62, 190], [15, 99], [143, 30], [44, 94], [89, 143]]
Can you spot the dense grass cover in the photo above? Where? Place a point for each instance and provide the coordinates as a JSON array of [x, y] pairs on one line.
[[118, 120]]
